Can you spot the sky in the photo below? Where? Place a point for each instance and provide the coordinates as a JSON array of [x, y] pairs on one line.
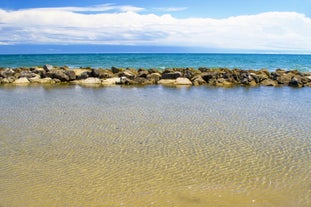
[[76, 26]]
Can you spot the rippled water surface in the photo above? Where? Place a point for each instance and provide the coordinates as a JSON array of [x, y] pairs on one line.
[[155, 146], [161, 61]]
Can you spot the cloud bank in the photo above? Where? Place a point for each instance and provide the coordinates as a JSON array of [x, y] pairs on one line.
[[126, 25]]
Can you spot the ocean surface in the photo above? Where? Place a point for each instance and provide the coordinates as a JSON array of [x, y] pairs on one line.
[[155, 146], [161, 61]]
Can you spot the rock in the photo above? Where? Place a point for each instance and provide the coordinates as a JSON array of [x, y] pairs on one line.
[[111, 81], [143, 73], [309, 78], [116, 70], [27, 74], [33, 79], [21, 81], [265, 72], [167, 81], [252, 83], [7, 73], [295, 82], [55, 80], [154, 77], [125, 80], [79, 71], [224, 83], [48, 67], [128, 74], [171, 75], [6, 81], [140, 81], [84, 75], [269, 82], [58, 74], [188, 74], [183, 81], [198, 80], [152, 70], [284, 79], [208, 76], [90, 81], [42, 81], [101, 73], [255, 77], [39, 71], [71, 75]]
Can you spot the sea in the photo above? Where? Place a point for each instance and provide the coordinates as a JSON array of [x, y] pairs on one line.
[[162, 61], [202, 146]]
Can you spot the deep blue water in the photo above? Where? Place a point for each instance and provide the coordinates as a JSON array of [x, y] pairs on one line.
[[147, 60]]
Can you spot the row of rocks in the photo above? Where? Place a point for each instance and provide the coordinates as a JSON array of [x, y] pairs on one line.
[[221, 77]]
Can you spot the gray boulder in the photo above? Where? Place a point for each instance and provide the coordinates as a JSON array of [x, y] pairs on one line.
[[71, 75], [295, 82], [7, 73], [48, 67], [58, 74], [171, 75]]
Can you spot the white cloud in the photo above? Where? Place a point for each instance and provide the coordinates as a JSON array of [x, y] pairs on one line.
[[171, 9], [124, 25]]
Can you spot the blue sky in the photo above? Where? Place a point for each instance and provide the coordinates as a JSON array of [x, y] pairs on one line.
[[277, 26]]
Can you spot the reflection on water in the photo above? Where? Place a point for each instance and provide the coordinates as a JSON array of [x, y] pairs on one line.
[[155, 146]]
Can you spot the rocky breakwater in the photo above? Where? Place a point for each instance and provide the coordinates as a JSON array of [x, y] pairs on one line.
[[219, 77]]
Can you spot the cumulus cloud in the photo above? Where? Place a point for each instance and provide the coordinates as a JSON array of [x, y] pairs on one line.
[[125, 25]]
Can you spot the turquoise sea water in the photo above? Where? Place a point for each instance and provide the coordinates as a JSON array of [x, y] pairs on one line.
[[242, 61]]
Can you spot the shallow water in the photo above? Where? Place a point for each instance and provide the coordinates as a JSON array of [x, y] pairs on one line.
[[155, 146]]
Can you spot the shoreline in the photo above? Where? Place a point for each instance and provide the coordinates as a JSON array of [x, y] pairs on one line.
[[219, 77]]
